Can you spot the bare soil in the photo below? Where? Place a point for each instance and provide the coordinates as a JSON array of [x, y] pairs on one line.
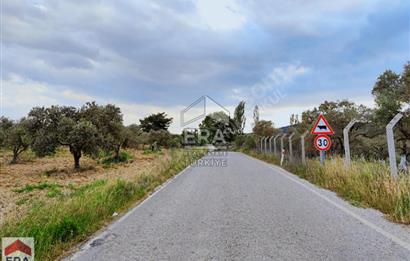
[[58, 169]]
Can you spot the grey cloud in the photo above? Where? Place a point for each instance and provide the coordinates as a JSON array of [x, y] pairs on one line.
[[142, 50]]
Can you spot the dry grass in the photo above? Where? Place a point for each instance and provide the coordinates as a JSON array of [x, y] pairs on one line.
[[365, 184], [71, 218], [58, 172]]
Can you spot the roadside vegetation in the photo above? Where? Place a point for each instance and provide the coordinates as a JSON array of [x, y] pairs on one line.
[[365, 184], [72, 217], [65, 172], [368, 182]]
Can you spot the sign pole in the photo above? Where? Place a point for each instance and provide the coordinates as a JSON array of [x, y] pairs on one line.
[[322, 157]]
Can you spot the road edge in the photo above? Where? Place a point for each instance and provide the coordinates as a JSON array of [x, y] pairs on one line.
[[313, 189], [105, 231]]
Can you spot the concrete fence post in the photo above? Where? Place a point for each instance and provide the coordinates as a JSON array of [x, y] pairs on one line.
[[274, 143], [290, 147], [282, 154], [270, 144], [390, 143], [281, 143], [346, 141], [302, 143], [266, 145]]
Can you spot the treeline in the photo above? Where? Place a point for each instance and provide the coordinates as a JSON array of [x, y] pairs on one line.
[[88, 130], [391, 92], [94, 128]]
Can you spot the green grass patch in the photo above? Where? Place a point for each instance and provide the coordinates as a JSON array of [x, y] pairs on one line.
[[73, 217], [111, 159], [22, 201], [40, 186]]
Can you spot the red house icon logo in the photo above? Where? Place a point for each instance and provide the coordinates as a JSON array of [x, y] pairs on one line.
[[17, 246], [18, 249]]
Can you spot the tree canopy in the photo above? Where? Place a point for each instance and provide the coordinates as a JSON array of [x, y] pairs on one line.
[[155, 122]]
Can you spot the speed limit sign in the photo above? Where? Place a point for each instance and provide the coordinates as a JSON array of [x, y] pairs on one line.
[[322, 142]]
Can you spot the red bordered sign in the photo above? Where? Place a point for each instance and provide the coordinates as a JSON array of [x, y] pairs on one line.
[[323, 142], [322, 126]]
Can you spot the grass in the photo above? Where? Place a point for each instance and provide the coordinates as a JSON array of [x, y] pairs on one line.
[[364, 184], [40, 186], [53, 190], [72, 218], [122, 157], [152, 152]]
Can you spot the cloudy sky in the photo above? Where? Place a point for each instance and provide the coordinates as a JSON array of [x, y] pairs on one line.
[[161, 55]]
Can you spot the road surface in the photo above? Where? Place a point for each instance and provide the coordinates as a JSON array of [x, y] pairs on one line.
[[248, 210]]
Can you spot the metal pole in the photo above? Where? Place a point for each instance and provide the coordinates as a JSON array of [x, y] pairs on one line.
[[390, 143], [290, 147], [302, 141], [346, 141], [274, 143], [322, 157]]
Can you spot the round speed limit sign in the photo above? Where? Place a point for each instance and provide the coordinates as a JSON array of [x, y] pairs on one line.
[[322, 142]]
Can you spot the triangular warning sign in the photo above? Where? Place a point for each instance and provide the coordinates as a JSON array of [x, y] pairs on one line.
[[322, 126]]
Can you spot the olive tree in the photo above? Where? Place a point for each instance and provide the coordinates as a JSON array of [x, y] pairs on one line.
[[159, 138], [80, 137], [17, 137], [109, 123], [5, 125], [63, 126], [131, 134]]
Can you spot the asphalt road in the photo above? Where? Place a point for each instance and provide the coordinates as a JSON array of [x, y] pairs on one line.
[[248, 210]]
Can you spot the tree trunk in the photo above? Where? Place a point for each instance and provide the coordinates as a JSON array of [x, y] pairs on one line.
[[14, 160], [16, 153], [77, 156], [117, 152]]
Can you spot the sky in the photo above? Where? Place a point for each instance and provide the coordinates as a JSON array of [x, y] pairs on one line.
[[154, 56]]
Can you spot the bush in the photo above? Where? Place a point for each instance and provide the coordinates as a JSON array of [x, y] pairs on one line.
[[123, 156]]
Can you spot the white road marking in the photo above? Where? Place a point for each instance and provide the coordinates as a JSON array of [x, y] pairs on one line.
[[369, 224], [107, 230]]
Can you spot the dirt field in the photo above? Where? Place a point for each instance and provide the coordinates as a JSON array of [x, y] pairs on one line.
[[42, 179]]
